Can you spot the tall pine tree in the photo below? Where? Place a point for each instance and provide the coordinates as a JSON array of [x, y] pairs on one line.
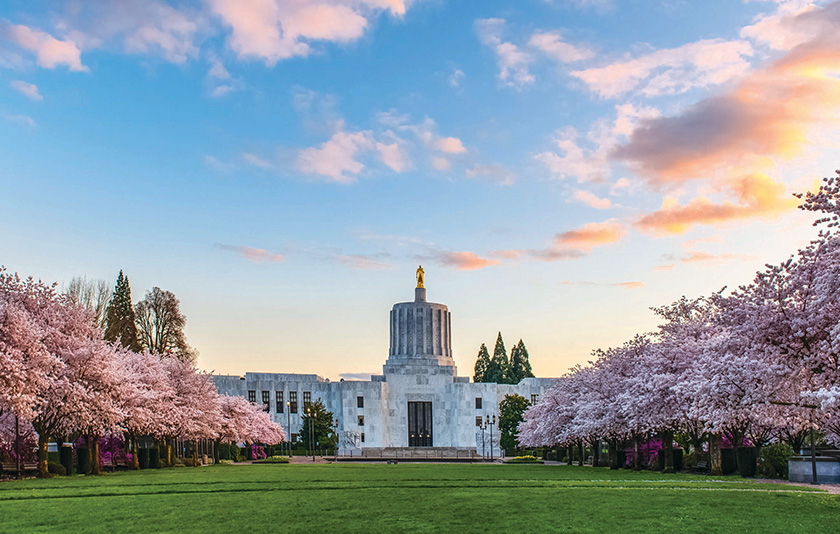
[[523, 352], [482, 364], [119, 316], [520, 367], [499, 367]]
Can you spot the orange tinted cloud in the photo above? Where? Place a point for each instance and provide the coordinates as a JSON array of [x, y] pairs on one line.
[[768, 115], [590, 235], [253, 254], [464, 261], [758, 194], [625, 285]]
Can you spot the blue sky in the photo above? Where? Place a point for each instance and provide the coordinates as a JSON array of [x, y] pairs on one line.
[[557, 166]]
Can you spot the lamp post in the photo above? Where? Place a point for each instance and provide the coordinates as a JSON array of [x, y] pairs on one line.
[[491, 422], [335, 446], [289, 427], [483, 426], [309, 413]]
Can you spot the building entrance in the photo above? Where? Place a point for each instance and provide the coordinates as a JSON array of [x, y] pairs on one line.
[[419, 424]]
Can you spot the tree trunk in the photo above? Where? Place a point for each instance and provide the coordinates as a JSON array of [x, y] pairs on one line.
[[93, 454], [580, 453], [43, 456], [18, 463], [170, 452], [668, 451], [596, 453], [715, 458], [135, 452], [195, 453], [637, 454], [612, 453]]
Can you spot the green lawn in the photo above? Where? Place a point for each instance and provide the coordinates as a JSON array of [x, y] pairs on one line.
[[411, 498]]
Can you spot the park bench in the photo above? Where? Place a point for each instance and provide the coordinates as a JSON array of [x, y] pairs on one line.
[[702, 467], [11, 467]]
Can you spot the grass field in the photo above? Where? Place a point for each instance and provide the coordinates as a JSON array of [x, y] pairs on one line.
[[374, 498]]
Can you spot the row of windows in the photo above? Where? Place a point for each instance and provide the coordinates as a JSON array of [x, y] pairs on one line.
[[293, 406], [307, 398]]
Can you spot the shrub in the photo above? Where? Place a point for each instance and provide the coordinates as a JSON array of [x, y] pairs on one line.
[[773, 460], [56, 468], [225, 462], [273, 460], [524, 460], [240, 458], [746, 461]]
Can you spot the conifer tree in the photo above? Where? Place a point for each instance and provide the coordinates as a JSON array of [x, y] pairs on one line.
[[499, 365], [119, 316], [520, 367], [523, 352], [482, 364]]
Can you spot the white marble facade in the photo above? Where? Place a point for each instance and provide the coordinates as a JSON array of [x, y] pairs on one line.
[[419, 369]]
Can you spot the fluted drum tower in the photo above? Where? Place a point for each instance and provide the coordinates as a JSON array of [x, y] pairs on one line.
[[421, 334]]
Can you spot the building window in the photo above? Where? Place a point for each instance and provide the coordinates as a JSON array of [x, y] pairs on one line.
[[294, 438], [307, 399], [477, 420], [478, 403], [363, 437], [252, 396], [293, 402], [279, 401], [266, 400], [360, 402], [361, 420], [534, 399]]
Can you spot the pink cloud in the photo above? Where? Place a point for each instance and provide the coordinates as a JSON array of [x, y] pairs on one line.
[[450, 145], [50, 51], [336, 158], [253, 254], [591, 200], [273, 30]]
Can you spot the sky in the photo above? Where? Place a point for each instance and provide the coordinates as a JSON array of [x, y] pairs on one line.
[[558, 167]]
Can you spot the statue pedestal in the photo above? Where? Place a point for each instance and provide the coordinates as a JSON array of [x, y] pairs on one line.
[[419, 294]]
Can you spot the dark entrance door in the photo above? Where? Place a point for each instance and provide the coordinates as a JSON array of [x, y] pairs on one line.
[[419, 424]]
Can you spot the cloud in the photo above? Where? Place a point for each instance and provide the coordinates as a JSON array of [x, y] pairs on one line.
[[758, 195], [697, 256], [463, 261], [274, 30], [513, 62], [23, 120], [217, 165], [335, 159], [766, 117], [671, 71], [456, 78], [394, 156], [495, 172], [441, 164], [793, 23], [450, 145], [587, 158], [590, 235], [51, 52], [363, 261], [253, 254], [666, 267], [28, 90], [553, 46], [625, 285], [256, 161], [592, 200]]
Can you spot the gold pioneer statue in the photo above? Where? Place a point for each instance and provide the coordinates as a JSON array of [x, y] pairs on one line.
[[420, 272]]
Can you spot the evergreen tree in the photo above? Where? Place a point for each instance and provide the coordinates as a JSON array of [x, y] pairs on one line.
[[520, 367], [498, 369], [482, 364], [526, 361], [119, 316]]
